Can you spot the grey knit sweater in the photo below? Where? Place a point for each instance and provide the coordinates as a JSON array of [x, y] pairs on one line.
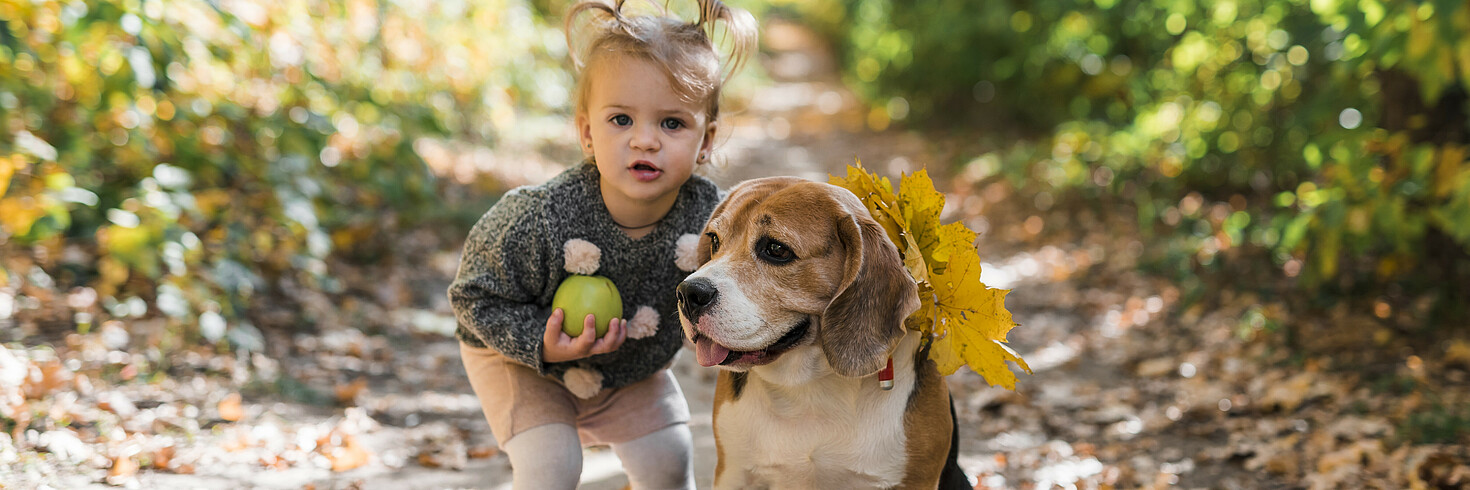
[[513, 262]]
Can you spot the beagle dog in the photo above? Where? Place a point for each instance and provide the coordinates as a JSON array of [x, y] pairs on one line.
[[800, 299]]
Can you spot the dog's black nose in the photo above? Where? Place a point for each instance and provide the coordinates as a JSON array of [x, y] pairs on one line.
[[696, 295]]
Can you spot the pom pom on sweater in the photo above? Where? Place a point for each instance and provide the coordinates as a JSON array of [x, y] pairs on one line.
[[644, 323], [582, 257], [686, 252], [584, 383]]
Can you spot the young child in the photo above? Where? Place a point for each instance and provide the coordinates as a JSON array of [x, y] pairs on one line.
[[647, 101]]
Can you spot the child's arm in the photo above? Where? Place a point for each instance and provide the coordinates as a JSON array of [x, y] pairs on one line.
[[501, 277]]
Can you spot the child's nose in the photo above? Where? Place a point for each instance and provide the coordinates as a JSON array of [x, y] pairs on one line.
[[645, 138]]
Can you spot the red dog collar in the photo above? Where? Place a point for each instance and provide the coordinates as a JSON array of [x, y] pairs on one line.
[[885, 377]]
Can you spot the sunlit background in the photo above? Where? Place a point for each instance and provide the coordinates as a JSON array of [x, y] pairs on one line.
[[214, 178]]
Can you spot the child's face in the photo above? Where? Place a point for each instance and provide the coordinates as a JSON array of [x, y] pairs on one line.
[[645, 139]]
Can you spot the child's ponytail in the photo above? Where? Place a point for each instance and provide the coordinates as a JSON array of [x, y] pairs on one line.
[[688, 52], [740, 31], [611, 17]]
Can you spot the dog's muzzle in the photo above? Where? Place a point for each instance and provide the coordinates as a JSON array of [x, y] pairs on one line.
[[695, 296]]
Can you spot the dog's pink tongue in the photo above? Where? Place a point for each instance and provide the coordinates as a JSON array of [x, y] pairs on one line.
[[710, 353]]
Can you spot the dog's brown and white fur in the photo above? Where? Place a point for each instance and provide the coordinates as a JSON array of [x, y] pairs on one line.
[[800, 299]]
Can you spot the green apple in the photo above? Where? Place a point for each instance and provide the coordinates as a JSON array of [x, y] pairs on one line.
[[579, 295]]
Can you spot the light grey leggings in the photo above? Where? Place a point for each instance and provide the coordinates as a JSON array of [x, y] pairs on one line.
[[550, 457]]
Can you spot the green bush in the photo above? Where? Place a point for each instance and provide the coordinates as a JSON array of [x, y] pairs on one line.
[[205, 152], [1330, 136]]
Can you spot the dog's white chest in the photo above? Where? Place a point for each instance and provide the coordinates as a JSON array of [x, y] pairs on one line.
[[813, 438]]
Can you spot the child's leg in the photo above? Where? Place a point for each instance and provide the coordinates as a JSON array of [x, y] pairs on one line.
[[663, 459], [546, 457], [532, 417]]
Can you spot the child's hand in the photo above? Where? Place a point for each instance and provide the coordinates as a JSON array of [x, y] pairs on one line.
[[560, 347]]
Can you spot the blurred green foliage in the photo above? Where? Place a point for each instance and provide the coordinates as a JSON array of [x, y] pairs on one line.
[[204, 153], [1437, 424], [1329, 136]]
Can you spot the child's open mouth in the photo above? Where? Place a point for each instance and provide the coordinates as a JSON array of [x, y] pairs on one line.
[[644, 171]]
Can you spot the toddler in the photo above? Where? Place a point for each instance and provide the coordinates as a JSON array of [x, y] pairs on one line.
[[646, 108]]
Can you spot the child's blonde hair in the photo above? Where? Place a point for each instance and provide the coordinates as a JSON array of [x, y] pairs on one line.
[[683, 50]]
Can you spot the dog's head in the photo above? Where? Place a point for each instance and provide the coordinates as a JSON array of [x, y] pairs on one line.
[[785, 263]]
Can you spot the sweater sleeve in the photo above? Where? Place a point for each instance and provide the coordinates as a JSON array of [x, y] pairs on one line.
[[501, 276]]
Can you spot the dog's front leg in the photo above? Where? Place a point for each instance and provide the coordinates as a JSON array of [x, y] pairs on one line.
[[733, 446]]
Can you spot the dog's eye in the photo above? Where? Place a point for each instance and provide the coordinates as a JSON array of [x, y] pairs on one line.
[[775, 252], [714, 242]]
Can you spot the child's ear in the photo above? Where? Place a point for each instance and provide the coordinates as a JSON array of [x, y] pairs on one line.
[[584, 133], [709, 138]]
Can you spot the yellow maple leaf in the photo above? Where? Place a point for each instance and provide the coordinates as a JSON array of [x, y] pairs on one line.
[[920, 205], [913, 260], [883, 205], [953, 237], [966, 320], [877, 194], [971, 322]]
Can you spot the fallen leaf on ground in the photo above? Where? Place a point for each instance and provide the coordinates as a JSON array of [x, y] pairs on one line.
[[1458, 353], [163, 456], [1157, 367], [230, 408], [128, 372], [350, 455], [45, 378], [274, 462], [347, 393], [1289, 394], [1439, 468], [123, 468]]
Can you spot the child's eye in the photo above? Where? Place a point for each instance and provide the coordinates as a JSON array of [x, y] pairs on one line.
[[621, 120], [672, 123]]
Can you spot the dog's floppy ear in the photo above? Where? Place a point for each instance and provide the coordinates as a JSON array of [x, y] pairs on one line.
[[865, 318]]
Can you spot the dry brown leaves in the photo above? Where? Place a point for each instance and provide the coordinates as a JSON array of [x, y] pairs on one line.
[[230, 408]]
